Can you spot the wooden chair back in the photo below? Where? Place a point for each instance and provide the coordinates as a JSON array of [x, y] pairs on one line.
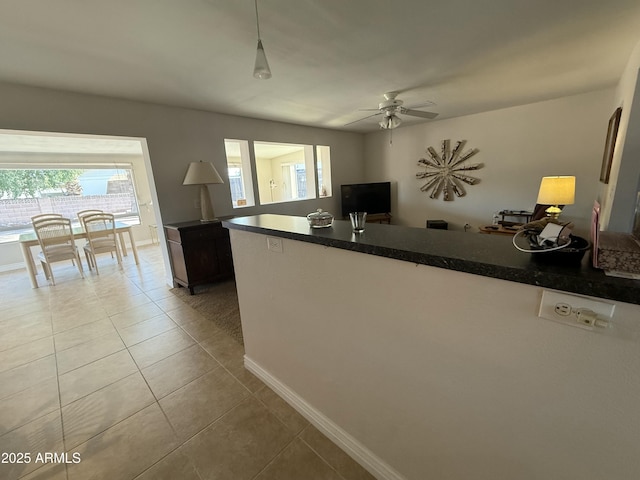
[[43, 217], [54, 234], [101, 236], [83, 213]]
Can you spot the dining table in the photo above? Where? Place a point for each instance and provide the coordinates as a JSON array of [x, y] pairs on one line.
[[30, 239]]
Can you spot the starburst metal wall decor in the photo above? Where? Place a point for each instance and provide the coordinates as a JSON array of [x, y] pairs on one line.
[[446, 171]]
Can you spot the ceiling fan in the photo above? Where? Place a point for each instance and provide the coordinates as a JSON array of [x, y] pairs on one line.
[[390, 109]]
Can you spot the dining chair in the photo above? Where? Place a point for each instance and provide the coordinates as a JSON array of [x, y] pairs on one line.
[[55, 236], [83, 213], [44, 216], [101, 237]]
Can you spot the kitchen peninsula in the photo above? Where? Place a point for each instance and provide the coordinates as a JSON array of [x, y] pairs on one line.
[[421, 354]]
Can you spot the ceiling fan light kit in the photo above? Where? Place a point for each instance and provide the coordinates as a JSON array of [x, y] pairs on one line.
[[390, 122], [391, 107], [261, 68]]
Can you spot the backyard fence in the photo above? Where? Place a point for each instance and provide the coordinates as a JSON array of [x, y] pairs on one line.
[[16, 213]]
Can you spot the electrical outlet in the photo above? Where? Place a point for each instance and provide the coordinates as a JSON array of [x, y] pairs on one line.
[[274, 244], [562, 309], [575, 310]]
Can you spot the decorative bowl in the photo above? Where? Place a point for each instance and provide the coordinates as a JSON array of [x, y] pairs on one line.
[[320, 219]]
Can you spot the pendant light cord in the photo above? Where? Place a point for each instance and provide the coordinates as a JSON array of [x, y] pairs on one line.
[[257, 21]]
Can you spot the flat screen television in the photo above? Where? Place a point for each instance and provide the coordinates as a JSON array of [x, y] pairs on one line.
[[366, 197]]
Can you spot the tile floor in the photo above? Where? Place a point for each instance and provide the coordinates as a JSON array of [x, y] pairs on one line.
[[116, 371]]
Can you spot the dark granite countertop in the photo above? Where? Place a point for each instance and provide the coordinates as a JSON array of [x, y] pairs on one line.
[[487, 255]]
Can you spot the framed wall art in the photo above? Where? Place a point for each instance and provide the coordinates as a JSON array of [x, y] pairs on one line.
[[610, 143], [447, 171]]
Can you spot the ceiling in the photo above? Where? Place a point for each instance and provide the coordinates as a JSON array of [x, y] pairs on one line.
[[329, 58]]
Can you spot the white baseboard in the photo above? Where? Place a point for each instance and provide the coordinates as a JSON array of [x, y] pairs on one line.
[[373, 464]]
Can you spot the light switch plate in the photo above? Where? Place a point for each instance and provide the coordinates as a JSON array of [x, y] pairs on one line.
[[274, 244]]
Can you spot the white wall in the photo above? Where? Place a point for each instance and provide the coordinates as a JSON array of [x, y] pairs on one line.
[[619, 197], [436, 373], [517, 145], [176, 137]]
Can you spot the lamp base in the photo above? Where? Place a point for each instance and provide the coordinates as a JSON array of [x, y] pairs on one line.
[[206, 208], [553, 212]]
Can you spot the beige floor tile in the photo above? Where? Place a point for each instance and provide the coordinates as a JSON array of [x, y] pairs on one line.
[[25, 376], [167, 304], [346, 466], [145, 279], [146, 329], [95, 413], [201, 329], [12, 336], [298, 461], [24, 305], [159, 292], [89, 378], [281, 409], [84, 333], [126, 449], [174, 372], [88, 352], [116, 287], [41, 435], [197, 404], [29, 404], [155, 349], [24, 318], [184, 314], [245, 377], [77, 316], [240, 444], [26, 353], [57, 471], [175, 466], [114, 304], [135, 315], [224, 349]]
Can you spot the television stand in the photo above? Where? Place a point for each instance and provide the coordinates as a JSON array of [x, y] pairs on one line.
[[379, 218]]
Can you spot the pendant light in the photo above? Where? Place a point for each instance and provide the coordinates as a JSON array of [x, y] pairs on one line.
[[261, 69]]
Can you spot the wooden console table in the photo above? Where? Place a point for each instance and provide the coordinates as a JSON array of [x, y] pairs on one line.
[[200, 253], [499, 230], [379, 218]]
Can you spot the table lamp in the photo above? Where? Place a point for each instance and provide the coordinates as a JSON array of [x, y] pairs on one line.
[[203, 174], [557, 191]]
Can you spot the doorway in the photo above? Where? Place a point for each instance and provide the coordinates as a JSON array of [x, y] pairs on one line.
[[119, 163]]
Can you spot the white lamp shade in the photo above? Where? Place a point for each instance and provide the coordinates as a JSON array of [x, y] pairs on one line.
[[560, 190], [201, 173]]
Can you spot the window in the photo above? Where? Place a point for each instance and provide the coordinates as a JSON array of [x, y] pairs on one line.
[[26, 192], [239, 170], [323, 166], [285, 172]]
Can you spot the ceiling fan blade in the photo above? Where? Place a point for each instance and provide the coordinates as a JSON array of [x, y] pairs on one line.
[[427, 103], [418, 113], [359, 120]]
